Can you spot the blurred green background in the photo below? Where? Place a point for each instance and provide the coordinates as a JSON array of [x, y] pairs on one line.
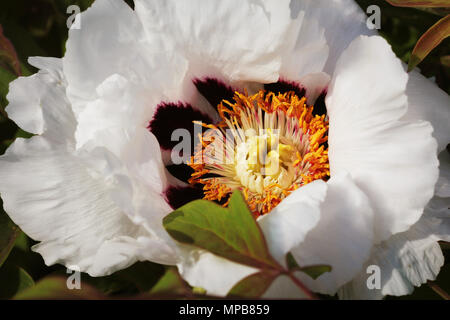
[[38, 28]]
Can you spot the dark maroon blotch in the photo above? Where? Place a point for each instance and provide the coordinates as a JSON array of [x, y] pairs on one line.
[[321, 109], [171, 116], [214, 90], [180, 171], [283, 86], [179, 196], [319, 106]]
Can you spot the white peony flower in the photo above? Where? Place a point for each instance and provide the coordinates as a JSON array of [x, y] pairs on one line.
[[356, 170]]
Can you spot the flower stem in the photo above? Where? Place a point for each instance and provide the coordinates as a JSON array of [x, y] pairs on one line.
[[444, 295], [302, 287]]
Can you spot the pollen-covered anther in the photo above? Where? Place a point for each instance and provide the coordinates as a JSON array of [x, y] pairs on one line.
[[266, 144]]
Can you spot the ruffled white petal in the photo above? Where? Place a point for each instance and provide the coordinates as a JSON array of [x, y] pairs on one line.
[[286, 226], [394, 162], [110, 42], [29, 96], [211, 34], [426, 101], [105, 44], [59, 197], [405, 260], [343, 237], [246, 44], [55, 201], [135, 170]]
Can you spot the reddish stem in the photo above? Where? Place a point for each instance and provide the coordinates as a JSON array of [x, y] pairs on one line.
[[302, 287], [444, 295]]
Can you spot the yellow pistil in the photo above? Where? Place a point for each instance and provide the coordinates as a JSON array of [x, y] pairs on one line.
[[278, 146]]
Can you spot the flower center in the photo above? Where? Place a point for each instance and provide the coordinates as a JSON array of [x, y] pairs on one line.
[[263, 160], [267, 145]]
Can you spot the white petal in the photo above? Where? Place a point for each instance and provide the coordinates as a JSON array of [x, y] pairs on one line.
[[341, 20], [58, 197], [135, 170], [24, 109], [426, 101], [120, 252], [122, 103], [51, 65], [309, 53], [343, 237], [111, 41], [134, 198], [405, 260], [287, 224], [51, 196], [107, 37], [214, 274], [394, 162], [111, 109], [218, 39], [38, 103]]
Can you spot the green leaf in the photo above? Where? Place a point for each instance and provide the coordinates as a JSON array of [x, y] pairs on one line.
[[230, 232], [171, 283], [314, 271], [253, 286], [13, 280], [291, 263], [198, 291], [8, 234], [25, 280], [23, 134], [429, 40], [22, 242], [55, 287], [420, 3]]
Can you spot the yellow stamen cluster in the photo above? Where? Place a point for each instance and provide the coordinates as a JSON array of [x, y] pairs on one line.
[[303, 156]]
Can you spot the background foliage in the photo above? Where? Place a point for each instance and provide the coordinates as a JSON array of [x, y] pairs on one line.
[[38, 28]]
